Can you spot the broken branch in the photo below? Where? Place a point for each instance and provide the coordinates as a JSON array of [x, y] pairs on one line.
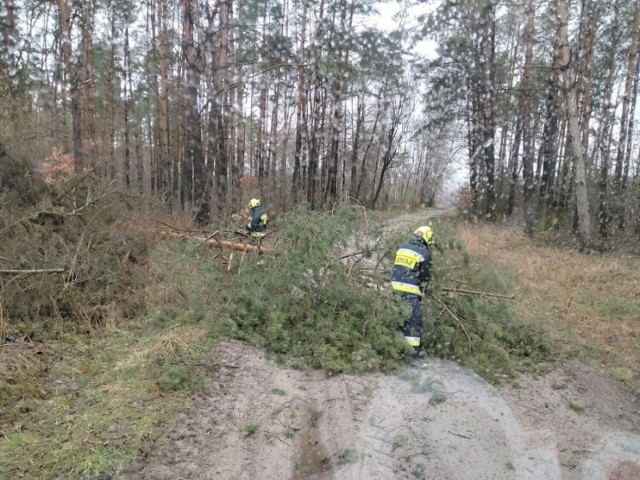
[[472, 292], [41, 270], [455, 317]]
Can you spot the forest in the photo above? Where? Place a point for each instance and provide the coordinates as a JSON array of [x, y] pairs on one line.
[[202, 103]]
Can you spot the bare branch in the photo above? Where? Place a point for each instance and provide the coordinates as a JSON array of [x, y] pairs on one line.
[[27, 272], [472, 292], [455, 317]]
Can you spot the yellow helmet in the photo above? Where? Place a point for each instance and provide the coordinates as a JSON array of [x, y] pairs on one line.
[[254, 202], [426, 233]]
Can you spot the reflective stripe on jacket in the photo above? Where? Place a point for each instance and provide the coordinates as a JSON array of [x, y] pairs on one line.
[[411, 267]]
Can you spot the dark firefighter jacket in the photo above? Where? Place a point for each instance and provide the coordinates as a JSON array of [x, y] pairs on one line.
[[411, 267], [259, 220]]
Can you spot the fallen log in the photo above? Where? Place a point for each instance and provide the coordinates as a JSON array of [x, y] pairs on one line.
[[35, 270], [215, 243]]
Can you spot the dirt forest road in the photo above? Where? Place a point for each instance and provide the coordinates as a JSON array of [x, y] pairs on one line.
[[260, 420]]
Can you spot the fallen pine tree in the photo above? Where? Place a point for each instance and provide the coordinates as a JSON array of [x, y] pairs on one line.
[[211, 241]]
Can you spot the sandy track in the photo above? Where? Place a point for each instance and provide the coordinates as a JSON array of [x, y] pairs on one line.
[[440, 422]]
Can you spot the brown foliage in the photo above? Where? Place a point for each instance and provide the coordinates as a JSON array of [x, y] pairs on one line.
[[57, 168], [464, 202]]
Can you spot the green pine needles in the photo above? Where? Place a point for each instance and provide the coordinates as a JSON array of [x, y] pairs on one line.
[[307, 301], [468, 317], [322, 295]]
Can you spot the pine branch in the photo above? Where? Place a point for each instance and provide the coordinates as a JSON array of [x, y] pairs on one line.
[[455, 317]]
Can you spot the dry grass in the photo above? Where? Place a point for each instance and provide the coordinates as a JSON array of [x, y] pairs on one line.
[[20, 368], [589, 302], [178, 342]]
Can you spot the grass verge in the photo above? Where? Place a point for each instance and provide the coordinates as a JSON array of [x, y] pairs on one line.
[[106, 397], [588, 303]]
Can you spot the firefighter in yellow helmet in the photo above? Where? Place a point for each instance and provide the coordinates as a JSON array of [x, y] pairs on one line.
[[409, 279], [257, 226]]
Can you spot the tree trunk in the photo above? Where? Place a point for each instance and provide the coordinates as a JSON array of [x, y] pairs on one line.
[[111, 94], [8, 36], [487, 68], [164, 162], [335, 137], [356, 144], [606, 121], [527, 128], [195, 155], [238, 124], [260, 150], [87, 80], [301, 107], [583, 73], [127, 97], [582, 199], [372, 137], [217, 131], [314, 141], [621, 158], [627, 163], [338, 117], [64, 9]]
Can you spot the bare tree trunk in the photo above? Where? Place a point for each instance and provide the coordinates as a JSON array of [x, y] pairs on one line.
[[127, 102], [621, 159], [217, 131], [476, 131], [87, 81], [527, 128], [260, 149], [335, 137], [237, 129], [625, 175], [392, 137], [583, 73], [567, 172], [549, 146], [283, 184], [273, 139], [604, 137], [314, 146], [112, 76], [301, 107], [514, 166], [64, 9], [195, 155], [487, 67], [356, 144], [372, 137], [582, 199], [338, 117], [8, 36], [164, 162]]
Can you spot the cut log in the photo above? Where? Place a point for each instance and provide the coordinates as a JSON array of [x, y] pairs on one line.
[[215, 243]]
